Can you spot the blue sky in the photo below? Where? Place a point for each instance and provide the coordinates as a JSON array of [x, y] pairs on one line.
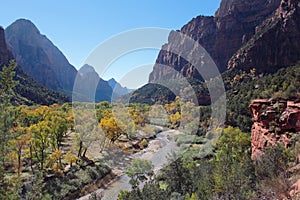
[[77, 27]]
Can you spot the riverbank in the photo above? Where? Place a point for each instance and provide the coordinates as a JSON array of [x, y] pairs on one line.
[[157, 152]]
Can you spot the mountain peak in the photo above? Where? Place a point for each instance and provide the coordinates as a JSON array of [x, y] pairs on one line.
[[87, 69], [25, 25], [224, 8], [112, 82], [38, 56]]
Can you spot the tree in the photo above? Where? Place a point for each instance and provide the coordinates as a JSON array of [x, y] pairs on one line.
[[111, 127], [233, 170], [85, 123], [272, 169], [175, 119], [139, 171], [70, 158], [177, 176], [59, 127], [19, 144], [55, 161], [7, 120], [40, 142]]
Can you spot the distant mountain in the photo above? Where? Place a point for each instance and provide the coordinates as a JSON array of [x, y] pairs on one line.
[[46, 64], [39, 57], [28, 91], [91, 86], [118, 88]]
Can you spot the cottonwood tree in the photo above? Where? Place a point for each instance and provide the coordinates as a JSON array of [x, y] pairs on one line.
[[40, 141]]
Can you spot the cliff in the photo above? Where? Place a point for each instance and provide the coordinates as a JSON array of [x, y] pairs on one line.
[[5, 54], [39, 57], [233, 25], [275, 44], [27, 91], [274, 122]]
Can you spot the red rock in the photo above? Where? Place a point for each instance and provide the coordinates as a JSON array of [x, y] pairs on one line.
[[290, 119], [271, 126], [295, 190]]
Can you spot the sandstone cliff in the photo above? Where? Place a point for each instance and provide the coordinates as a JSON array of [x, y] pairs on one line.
[[233, 25], [277, 122], [274, 122], [276, 42]]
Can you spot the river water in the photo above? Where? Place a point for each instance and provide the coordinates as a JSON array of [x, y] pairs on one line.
[[157, 152]]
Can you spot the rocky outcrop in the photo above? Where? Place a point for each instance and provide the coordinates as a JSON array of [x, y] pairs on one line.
[[295, 190], [276, 42], [5, 54], [222, 36], [39, 57], [274, 122]]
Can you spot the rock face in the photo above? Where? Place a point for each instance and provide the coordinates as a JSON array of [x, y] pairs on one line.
[[91, 86], [39, 57], [274, 122], [5, 54], [27, 91], [117, 88], [276, 42], [233, 25]]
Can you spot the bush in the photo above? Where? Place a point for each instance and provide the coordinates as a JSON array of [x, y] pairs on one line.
[[143, 144]]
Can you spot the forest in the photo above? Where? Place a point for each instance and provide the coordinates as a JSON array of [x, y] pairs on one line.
[[46, 151]]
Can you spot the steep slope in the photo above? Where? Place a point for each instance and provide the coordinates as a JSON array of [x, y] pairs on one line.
[[117, 88], [91, 86], [222, 35], [39, 57], [28, 91], [276, 42], [5, 54]]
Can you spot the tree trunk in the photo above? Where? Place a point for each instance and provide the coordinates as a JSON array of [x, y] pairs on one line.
[[31, 162], [85, 149], [80, 149]]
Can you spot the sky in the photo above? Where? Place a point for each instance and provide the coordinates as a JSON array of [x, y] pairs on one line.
[[77, 27]]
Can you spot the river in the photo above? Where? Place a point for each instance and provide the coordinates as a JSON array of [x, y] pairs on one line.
[[157, 152]]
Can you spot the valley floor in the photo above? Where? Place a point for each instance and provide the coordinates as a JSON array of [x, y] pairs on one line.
[[157, 152]]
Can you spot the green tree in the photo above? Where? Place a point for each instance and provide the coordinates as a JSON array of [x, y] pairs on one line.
[[177, 176], [40, 142], [139, 171], [272, 170], [7, 121], [233, 170], [36, 190], [59, 128]]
